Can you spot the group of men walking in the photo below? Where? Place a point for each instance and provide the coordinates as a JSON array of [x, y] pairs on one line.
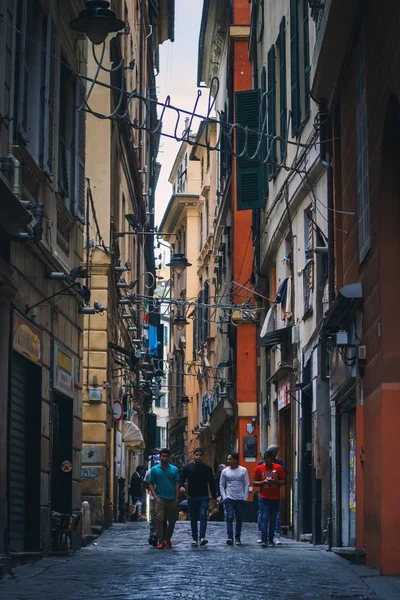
[[197, 481]]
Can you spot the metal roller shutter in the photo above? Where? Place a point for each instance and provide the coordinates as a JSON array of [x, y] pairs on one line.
[[18, 455]]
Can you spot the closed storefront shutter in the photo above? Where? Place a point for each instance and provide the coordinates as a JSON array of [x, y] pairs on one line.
[[18, 455]]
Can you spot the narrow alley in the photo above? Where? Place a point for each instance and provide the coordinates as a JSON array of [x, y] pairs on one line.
[[123, 566]]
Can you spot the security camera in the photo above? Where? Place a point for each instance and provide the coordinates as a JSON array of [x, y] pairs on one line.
[[98, 307]]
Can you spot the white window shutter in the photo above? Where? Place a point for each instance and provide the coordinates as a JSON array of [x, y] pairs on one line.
[[80, 153], [50, 97]]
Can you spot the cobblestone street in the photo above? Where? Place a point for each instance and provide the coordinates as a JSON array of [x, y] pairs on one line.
[[121, 565]]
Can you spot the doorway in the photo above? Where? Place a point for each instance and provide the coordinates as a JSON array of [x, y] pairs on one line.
[[61, 468], [285, 453]]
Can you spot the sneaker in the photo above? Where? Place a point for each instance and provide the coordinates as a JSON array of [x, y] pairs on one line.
[[271, 543], [229, 542], [259, 541], [168, 544], [264, 545], [203, 542], [195, 544], [160, 546], [277, 541], [238, 542]]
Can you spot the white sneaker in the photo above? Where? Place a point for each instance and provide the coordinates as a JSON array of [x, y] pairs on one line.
[[259, 537], [259, 541], [277, 540]]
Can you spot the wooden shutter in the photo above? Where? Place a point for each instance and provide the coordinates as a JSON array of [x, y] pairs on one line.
[[265, 140], [25, 26], [307, 67], [63, 174], [248, 172], [294, 67], [50, 97], [271, 112], [80, 153], [282, 87]]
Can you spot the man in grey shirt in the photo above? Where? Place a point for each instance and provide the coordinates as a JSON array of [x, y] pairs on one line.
[[234, 486]]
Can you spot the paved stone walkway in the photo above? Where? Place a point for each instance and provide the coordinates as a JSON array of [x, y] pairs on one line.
[[123, 566]]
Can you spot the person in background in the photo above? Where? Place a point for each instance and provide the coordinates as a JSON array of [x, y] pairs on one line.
[[200, 483], [152, 523], [136, 491], [275, 451], [234, 487], [221, 514], [269, 478], [164, 485]]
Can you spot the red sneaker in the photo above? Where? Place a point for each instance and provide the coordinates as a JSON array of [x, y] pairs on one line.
[[160, 546], [168, 544]]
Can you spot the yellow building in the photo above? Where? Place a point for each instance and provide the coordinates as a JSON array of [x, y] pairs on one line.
[[122, 172]]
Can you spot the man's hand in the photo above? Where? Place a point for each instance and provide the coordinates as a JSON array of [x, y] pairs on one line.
[[177, 499], [182, 490]]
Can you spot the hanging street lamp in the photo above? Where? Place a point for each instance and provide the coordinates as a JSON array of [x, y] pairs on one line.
[[96, 21], [180, 322], [178, 263]]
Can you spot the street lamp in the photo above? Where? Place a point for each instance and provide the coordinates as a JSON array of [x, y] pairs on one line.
[[180, 322], [179, 263], [97, 20]]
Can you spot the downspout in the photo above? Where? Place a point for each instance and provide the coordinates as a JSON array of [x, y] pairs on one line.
[[15, 162]]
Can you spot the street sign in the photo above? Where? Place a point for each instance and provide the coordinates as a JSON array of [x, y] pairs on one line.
[[118, 410]]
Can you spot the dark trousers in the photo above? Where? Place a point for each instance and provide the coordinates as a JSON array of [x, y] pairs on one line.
[[198, 506], [268, 514], [234, 508]]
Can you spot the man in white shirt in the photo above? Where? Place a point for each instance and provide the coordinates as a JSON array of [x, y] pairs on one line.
[[234, 486]]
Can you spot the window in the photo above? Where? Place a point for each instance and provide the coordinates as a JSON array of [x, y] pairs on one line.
[[66, 134], [308, 271], [161, 437], [207, 215], [300, 63], [364, 234], [281, 104], [271, 107], [202, 171], [201, 232]]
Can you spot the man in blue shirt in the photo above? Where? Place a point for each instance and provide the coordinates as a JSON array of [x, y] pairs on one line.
[[164, 485]]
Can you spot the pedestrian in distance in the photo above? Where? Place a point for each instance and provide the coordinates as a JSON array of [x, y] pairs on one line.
[[234, 486], [152, 523], [269, 478], [136, 491], [164, 485], [274, 448], [220, 513], [201, 483]]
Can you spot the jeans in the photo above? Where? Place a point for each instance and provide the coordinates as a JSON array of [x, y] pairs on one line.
[[278, 523], [166, 510], [268, 513], [234, 508], [198, 506]]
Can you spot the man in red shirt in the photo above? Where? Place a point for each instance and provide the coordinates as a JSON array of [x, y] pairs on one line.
[[269, 477]]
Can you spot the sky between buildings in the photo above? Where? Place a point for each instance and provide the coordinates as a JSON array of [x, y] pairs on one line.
[[178, 79]]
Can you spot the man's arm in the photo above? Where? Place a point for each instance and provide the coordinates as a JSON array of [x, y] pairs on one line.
[[282, 477], [182, 482], [153, 491], [246, 484], [211, 484], [222, 485], [177, 490]]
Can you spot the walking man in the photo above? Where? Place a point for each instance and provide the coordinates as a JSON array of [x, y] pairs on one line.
[[234, 486], [136, 491], [269, 478], [164, 485], [201, 482]]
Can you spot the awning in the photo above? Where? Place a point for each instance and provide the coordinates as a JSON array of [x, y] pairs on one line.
[[132, 436], [276, 337], [348, 299]]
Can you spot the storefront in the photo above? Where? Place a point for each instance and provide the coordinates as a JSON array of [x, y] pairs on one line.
[[284, 405], [24, 437]]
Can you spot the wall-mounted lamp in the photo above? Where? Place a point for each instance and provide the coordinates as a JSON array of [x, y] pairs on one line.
[[180, 322], [87, 310], [127, 267], [178, 263]]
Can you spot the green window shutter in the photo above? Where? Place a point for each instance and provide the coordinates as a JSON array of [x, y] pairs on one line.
[[271, 112], [282, 86], [265, 140], [307, 67], [294, 66], [248, 172]]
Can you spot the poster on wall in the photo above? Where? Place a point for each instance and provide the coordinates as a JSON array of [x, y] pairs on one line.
[[27, 339], [284, 395], [63, 371]]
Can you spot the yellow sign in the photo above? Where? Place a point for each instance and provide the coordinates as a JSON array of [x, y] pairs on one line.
[[27, 339], [63, 370]]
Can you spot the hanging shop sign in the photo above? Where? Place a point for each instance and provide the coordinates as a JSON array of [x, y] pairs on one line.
[[118, 410], [284, 394], [63, 370], [27, 339]]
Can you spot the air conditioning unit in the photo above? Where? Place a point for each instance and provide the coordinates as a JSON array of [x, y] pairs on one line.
[[296, 334]]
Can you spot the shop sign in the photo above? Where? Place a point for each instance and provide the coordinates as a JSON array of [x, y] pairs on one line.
[[27, 339], [284, 395], [63, 370]]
